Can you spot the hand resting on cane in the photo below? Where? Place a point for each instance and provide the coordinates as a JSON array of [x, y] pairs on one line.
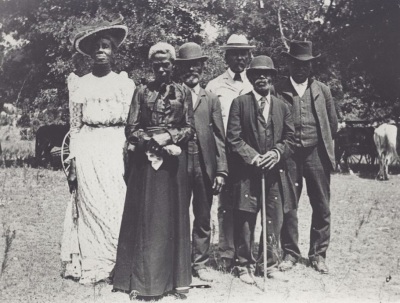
[[268, 160]]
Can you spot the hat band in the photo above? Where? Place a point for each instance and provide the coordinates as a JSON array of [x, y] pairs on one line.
[[237, 44]]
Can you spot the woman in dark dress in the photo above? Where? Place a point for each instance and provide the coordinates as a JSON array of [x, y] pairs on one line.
[[153, 256]]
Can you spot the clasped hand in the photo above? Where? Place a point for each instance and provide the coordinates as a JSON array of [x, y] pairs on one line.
[[268, 160], [158, 141]]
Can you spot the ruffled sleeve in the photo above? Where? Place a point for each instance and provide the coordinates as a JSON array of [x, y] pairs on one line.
[[75, 112]]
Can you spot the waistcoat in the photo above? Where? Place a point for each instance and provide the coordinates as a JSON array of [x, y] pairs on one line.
[[305, 121]]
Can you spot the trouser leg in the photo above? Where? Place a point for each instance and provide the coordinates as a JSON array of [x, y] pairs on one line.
[[290, 232], [202, 202], [274, 220], [244, 226], [226, 245], [317, 175]]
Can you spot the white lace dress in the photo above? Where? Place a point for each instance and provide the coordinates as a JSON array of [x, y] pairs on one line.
[[99, 108]]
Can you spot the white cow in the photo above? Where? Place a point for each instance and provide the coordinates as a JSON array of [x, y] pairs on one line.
[[385, 138]]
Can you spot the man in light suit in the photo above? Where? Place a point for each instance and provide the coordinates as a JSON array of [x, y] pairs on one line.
[[207, 163], [227, 86], [315, 121], [260, 135]]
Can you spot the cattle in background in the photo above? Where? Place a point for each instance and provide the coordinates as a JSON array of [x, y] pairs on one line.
[[385, 138], [354, 140], [48, 137]]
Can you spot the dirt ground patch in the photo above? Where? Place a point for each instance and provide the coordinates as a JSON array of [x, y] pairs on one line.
[[364, 255]]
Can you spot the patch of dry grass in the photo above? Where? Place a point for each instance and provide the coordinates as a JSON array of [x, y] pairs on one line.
[[363, 256]]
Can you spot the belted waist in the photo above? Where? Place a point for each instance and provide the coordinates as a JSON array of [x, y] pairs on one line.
[[104, 125], [156, 130]]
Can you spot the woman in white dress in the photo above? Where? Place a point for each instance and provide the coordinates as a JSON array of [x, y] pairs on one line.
[[99, 106]]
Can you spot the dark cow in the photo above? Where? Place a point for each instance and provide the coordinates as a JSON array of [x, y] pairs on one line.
[[354, 140], [47, 137], [386, 138]]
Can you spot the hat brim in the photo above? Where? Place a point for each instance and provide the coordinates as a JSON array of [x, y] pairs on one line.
[[228, 47], [84, 41], [250, 70], [300, 57], [202, 58]]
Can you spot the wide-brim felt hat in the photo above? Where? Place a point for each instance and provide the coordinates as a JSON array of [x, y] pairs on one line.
[[263, 63], [86, 36], [237, 42], [301, 50], [190, 51]]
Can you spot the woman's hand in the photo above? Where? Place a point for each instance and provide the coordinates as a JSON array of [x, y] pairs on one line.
[[72, 179]]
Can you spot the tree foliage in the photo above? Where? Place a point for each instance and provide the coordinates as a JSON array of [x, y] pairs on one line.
[[359, 41]]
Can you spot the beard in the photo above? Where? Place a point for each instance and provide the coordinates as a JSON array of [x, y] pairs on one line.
[[191, 79]]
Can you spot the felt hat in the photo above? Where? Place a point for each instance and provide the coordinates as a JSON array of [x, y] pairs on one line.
[[263, 63], [87, 35], [237, 42], [190, 51], [301, 50]]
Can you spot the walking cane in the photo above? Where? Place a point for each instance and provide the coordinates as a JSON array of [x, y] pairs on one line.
[[264, 228]]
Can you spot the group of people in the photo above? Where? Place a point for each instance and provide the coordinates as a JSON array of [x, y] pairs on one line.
[[139, 156]]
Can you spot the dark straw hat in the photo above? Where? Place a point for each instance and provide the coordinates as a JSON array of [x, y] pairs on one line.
[[261, 63], [190, 51], [84, 39], [301, 50]]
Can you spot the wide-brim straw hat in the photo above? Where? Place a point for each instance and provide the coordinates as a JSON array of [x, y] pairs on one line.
[[189, 52], [84, 39], [237, 42], [263, 63], [301, 50]]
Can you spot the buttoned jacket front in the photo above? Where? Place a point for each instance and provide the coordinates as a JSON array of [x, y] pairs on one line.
[[244, 144]]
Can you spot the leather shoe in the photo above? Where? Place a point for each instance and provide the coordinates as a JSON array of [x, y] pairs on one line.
[[225, 265], [204, 275], [318, 263], [288, 262], [246, 275]]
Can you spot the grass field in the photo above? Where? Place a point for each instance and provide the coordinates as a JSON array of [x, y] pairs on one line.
[[364, 255]]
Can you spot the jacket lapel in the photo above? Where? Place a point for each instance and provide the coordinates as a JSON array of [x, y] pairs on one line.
[[288, 91], [200, 97], [253, 110]]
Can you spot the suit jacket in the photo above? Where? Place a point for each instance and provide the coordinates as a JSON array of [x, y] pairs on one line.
[[243, 142], [210, 133], [324, 107], [227, 89]]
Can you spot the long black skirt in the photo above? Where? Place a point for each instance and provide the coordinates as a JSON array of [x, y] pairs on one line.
[[153, 255]]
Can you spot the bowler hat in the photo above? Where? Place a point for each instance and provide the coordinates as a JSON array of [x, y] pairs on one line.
[[301, 50], [237, 42], [84, 39], [263, 63], [190, 51]]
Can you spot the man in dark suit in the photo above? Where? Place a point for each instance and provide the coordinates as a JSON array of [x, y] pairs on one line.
[[315, 122], [206, 153], [260, 137]]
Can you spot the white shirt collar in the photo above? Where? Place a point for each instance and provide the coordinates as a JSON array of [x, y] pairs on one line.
[[258, 96], [300, 88], [295, 84], [242, 74]]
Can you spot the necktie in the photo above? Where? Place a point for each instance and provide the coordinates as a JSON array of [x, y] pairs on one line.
[[263, 101], [237, 77]]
